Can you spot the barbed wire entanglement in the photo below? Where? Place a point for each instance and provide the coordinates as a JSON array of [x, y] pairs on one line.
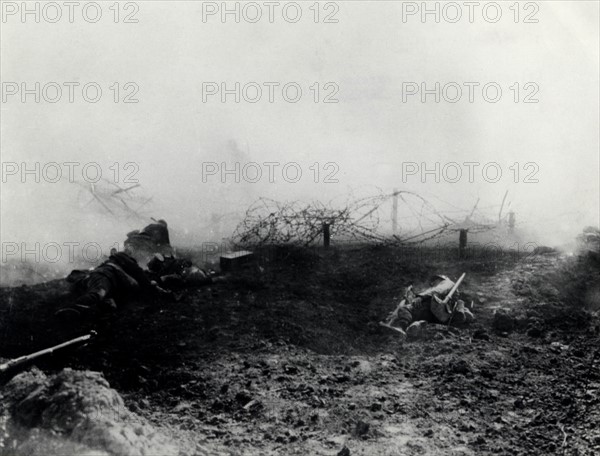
[[367, 219]]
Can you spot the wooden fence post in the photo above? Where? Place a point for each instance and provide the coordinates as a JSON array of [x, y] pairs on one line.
[[511, 220], [326, 235], [462, 243], [395, 212]]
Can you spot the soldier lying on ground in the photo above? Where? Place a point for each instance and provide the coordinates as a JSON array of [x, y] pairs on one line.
[[167, 270], [102, 287], [158, 232], [177, 273], [152, 239], [425, 307]]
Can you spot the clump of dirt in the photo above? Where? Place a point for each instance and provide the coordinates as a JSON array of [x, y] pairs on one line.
[[75, 411]]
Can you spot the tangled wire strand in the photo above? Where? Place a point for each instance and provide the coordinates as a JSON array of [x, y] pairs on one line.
[[269, 222]]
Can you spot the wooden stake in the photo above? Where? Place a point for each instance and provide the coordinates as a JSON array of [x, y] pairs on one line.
[[395, 212], [502, 206], [462, 243], [511, 220], [326, 235]]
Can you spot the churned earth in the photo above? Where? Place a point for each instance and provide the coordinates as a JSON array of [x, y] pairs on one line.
[[289, 358]]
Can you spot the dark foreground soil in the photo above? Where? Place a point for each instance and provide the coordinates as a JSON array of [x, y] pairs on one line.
[[289, 358]]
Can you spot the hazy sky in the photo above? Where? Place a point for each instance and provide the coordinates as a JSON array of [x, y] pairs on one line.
[[368, 55]]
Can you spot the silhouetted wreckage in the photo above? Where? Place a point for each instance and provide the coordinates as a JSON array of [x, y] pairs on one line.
[[111, 198]]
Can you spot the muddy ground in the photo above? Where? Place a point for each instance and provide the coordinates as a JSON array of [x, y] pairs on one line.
[[289, 358]]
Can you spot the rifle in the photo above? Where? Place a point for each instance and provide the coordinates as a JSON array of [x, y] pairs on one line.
[[449, 295], [14, 363], [452, 290]]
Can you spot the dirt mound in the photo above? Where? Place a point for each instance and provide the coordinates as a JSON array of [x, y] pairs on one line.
[[73, 412]]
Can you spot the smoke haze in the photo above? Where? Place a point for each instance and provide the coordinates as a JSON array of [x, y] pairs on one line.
[[171, 132]]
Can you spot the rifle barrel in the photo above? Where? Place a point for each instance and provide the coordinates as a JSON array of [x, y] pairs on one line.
[[454, 288], [23, 359]]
